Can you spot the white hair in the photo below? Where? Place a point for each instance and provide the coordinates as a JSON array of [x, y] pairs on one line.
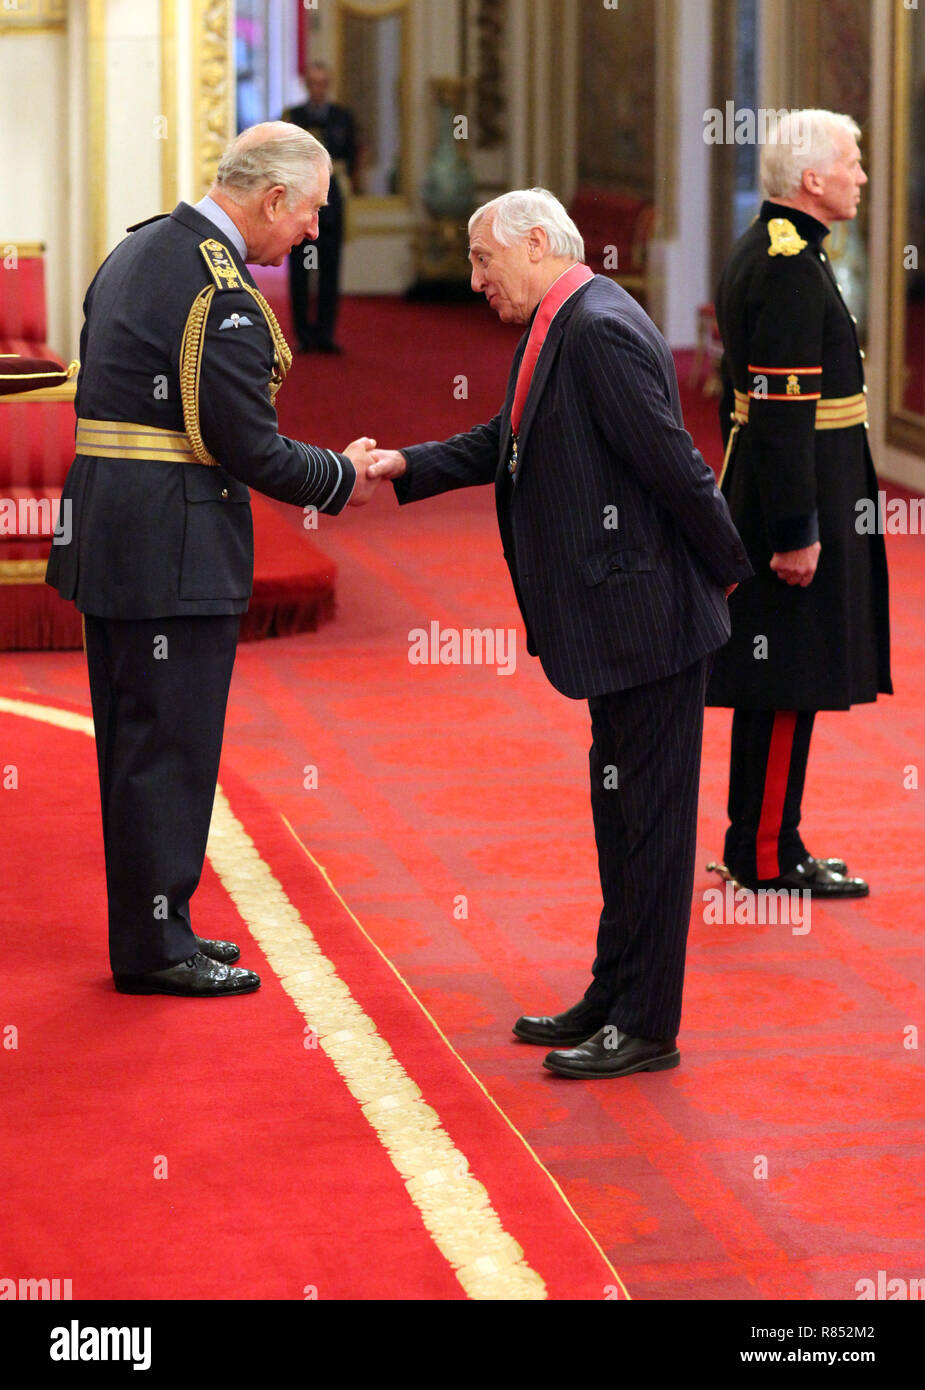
[[287, 155], [798, 141], [515, 214]]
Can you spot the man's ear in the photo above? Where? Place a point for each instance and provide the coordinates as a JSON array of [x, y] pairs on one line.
[[812, 183], [274, 201], [537, 243]]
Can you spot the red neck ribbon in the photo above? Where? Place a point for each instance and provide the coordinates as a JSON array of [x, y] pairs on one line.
[[559, 291]]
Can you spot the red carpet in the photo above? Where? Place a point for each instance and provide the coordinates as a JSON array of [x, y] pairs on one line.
[[199, 1149], [779, 1160]]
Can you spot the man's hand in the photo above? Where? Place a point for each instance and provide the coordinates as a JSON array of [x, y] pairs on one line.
[[796, 566], [360, 453], [389, 463]]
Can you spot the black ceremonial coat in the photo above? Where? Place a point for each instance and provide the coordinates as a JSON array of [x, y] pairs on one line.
[[783, 318]]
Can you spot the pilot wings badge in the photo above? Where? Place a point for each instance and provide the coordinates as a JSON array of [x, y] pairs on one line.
[[236, 321]]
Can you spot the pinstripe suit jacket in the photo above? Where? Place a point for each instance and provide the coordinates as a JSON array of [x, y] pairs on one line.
[[617, 538]]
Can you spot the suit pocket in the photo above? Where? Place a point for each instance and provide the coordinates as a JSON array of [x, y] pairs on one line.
[[218, 538], [596, 568]]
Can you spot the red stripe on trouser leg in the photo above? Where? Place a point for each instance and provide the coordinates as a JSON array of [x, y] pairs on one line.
[[780, 751]]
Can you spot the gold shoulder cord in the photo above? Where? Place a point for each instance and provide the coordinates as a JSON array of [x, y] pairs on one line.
[[225, 274], [190, 368]]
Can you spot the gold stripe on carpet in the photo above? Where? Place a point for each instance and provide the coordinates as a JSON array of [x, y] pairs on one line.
[[455, 1207], [461, 1060]]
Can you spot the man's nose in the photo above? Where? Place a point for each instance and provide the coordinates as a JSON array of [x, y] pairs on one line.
[[477, 281]]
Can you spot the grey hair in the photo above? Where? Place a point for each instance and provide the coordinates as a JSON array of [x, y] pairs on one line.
[[798, 141], [287, 155], [515, 213]]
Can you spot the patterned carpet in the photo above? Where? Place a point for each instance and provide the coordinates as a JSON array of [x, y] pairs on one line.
[[451, 812]]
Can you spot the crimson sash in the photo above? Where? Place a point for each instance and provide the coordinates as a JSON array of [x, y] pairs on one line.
[[559, 291]]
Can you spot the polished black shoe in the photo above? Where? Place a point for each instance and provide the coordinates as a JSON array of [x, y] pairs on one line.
[[835, 866], [328, 345], [225, 952], [560, 1030], [198, 977], [812, 876], [612, 1053]]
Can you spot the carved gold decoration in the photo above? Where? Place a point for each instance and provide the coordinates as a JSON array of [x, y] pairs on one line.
[[213, 83]]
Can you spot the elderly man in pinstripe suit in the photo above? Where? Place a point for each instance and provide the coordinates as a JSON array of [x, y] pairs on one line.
[[622, 552]]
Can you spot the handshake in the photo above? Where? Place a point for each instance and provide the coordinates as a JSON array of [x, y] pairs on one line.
[[372, 465]]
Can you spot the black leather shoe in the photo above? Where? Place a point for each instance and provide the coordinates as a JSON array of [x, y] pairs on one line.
[[328, 345], [812, 875], [225, 952], [612, 1053], [574, 1026], [835, 866], [199, 977]]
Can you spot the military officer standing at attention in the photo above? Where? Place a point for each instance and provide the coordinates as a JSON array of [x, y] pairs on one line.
[[181, 360], [811, 630], [334, 126]]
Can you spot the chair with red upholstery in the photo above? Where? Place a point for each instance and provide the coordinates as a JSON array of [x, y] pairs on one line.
[[36, 449], [617, 229]]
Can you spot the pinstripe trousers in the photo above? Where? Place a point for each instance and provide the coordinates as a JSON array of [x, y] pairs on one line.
[[645, 775]]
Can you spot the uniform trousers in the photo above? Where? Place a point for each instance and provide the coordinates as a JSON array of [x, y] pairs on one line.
[[159, 689], [645, 776], [767, 773]]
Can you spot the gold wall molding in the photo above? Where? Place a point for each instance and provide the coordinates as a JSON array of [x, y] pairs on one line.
[[213, 88], [34, 14], [905, 427], [96, 106], [170, 179]]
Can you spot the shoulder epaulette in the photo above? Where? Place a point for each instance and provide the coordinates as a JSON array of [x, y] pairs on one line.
[[785, 239], [223, 269], [158, 217], [226, 277]]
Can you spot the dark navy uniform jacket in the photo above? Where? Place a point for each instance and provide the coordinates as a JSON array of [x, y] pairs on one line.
[[616, 535], [156, 539], [791, 348]]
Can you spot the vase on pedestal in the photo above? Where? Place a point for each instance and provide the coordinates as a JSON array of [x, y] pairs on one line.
[[448, 193]]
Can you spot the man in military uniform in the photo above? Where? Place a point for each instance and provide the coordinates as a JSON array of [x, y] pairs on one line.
[[811, 630], [181, 360], [334, 127]]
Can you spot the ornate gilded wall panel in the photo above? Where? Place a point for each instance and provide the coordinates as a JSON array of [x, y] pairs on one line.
[[213, 85]]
